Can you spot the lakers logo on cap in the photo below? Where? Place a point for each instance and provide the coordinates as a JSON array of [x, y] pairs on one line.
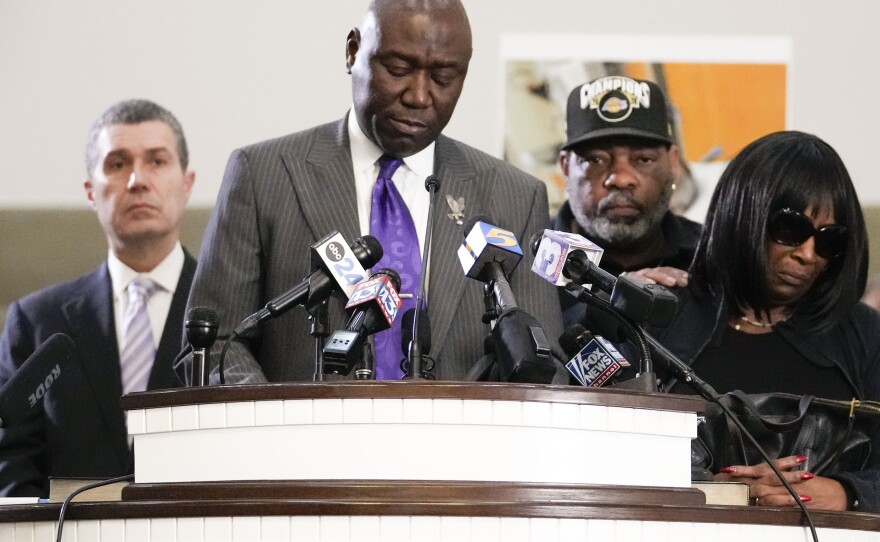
[[614, 98], [614, 107]]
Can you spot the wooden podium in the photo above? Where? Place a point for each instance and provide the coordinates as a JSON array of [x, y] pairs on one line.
[[421, 461]]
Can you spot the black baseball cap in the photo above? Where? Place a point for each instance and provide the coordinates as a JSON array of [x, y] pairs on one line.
[[617, 106]]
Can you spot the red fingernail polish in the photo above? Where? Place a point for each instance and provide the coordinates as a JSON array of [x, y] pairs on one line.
[[807, 476], [801, 458], [728, 470], [805, 498]]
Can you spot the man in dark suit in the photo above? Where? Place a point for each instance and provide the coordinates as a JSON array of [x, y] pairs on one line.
[[408, 62], [138, 183]]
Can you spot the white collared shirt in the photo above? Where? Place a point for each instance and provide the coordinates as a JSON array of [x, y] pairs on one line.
[[165, 275], [409, 179]]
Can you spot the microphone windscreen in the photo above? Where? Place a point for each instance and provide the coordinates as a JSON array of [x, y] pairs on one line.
[[432, 183], [391, 274], [372, 250], [201, 316], [535, 241], [201, 326], [572, 339], [32, 380], [472, 221]]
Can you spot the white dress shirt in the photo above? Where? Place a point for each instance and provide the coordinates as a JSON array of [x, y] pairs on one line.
[[409, 179], [165, 275]]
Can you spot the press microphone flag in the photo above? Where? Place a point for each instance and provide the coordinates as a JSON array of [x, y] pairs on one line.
[[596, 362], [381, 290], [553, 248], [486, 244], [342, 263]]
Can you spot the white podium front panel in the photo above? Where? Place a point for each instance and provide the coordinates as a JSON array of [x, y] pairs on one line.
[[374, 439], [413, 528]]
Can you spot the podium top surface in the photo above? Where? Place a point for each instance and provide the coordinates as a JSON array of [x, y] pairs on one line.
[[412, 390]]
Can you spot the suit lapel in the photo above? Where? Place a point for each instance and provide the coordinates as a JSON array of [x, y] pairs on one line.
[[324, 182], [162, 374], [458, 179], [91, 320]]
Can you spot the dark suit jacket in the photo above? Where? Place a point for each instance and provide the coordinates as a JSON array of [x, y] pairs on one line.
[[82, 430], [280, 196]]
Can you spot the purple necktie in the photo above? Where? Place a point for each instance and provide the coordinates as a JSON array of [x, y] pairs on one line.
[[392, 224]]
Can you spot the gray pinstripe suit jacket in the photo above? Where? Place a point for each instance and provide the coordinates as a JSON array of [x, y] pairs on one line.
[[280, 196]]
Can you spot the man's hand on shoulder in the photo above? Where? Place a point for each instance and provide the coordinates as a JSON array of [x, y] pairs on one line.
[[665, 276]]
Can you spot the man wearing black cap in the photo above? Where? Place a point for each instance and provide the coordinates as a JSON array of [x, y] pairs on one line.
[[620, 164]]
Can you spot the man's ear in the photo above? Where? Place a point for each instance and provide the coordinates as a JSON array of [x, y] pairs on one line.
[[90, 191], [675, 162], [352, 45], [189, 178], [563, 162]]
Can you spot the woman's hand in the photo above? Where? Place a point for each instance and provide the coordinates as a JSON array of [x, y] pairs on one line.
[[766, 490], [666, 276]]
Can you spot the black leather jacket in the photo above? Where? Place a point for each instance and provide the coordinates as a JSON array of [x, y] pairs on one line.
[[853, 346]]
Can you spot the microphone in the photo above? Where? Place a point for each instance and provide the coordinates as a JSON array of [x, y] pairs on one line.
[[594, 361], [338, 267], [201, 332], [422, 338], [562, 257], [414, 350], [376, 304], [489, 254], [551, 250], [30, 383]]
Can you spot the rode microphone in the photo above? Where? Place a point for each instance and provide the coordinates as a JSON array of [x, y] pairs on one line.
[[415, 350], [340, 266], [30, 383], [201, 332], [376, 304], [522, 352], [594, 361]]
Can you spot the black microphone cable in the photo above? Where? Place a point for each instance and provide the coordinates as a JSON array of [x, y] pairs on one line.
[[73, 494]]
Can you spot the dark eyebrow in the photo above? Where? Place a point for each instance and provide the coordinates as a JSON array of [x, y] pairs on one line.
[[409, 59]]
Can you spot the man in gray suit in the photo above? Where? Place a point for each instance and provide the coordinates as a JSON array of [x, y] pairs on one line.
[[408, 61]]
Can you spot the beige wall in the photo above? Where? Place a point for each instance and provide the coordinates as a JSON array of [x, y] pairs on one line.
[[45, 246]]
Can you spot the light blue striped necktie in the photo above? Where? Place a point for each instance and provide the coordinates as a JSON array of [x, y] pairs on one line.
[[138, 350]]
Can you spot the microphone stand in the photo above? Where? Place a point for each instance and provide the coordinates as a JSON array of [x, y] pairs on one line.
[[414, 354], [319, 329]]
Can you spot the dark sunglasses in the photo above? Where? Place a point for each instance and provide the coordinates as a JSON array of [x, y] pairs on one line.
[[791, 228]]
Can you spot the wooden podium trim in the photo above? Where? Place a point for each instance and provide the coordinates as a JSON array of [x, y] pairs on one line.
[[393, 491], [412, 390]]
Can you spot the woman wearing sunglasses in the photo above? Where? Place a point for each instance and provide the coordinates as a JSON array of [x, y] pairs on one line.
[[772, 301]]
